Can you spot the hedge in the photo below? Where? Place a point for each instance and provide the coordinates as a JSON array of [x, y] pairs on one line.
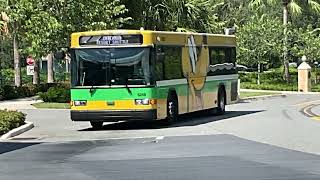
[[8, 92], [10, 120], [273, 80], [57, 94]]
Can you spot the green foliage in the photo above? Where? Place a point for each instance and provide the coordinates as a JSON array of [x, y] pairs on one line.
[[273, 81], [45, 26], [306, 42], [8, 92], [59, 94], [192, 15], [273, 86], [258, 40], [10, 120], [8, 76]]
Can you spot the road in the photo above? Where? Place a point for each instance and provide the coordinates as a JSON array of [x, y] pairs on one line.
[[274, 138]]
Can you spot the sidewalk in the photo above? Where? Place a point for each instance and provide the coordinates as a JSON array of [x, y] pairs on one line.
[[19, 104], [278, 92]]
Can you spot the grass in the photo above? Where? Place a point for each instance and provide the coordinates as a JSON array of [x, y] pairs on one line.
[[253, 94], [52, 105]]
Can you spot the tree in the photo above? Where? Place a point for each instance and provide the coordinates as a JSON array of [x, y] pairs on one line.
[[259, 39], [46, 25], [296, 8], [306, 42], [194, 15]]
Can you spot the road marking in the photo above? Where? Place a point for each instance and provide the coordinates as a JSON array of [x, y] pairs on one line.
[[160, 138], [316, 118], [308, 102], [308, 112]]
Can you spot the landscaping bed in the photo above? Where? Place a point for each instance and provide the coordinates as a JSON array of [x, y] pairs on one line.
[[272, 80], [45, 105], [10, 120], [254, 94]]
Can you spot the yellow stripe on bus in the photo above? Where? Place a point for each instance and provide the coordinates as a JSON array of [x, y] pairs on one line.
[[118, 105]]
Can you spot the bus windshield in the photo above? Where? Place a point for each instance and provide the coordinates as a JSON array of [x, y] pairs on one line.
[[111, 67]]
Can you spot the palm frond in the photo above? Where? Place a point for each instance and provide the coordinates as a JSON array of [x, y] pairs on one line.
[[295, 8], [314, 6]]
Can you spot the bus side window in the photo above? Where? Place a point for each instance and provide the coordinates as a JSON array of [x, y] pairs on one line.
[[217, 56], [213, 56], [159, 60], [222, 56], [234, 55], [172, 63], [231, 55]]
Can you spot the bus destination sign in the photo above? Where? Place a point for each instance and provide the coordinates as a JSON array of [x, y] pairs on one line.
[[111, 40]]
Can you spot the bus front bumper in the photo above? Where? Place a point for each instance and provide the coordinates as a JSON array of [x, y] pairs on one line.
[[113, 116]]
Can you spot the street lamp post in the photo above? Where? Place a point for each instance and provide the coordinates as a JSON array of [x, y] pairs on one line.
[[315, 71]]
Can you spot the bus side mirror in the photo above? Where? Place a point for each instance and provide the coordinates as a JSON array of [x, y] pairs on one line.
[[59, 55]]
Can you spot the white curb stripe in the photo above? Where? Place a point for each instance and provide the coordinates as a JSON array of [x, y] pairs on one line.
[[17, 131]]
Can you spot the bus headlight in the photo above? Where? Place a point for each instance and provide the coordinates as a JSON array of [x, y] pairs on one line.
[[142, 101], [80, 103], [145, 101]]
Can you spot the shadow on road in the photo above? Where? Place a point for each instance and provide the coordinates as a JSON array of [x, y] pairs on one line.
[[191, 119], [12, 146]]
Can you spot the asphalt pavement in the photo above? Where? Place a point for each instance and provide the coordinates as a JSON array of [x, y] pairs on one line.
[[221, 157], [265, 139], [276, 121]]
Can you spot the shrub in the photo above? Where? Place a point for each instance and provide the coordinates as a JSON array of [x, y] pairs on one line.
[[11, 92], [1, 93], [59, 94], [268, 86], [10, 120]]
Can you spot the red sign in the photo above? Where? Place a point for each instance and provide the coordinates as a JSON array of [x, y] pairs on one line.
[[30, 60]]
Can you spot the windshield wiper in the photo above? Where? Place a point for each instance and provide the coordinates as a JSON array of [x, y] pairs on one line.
[[127, 86], [83, 78]]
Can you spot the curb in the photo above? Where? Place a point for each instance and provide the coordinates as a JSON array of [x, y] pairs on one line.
[[17, 131], [261, 97], [281, 92]]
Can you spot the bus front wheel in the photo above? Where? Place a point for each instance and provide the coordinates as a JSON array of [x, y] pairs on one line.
[[96, 125], [172, 110], [221, 102]]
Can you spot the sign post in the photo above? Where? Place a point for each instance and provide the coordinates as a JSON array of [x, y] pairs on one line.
[[30, 70], [30, 66]]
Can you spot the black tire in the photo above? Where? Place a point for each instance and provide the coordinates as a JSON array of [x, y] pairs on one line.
[[96, 125], [221, 102], [172, 110]]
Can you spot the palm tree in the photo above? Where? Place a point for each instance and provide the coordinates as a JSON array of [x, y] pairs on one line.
[[16, 55], [295, 7]]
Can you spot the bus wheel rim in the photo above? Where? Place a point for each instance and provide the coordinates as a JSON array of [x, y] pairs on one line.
[[222, 105], [171, 108]]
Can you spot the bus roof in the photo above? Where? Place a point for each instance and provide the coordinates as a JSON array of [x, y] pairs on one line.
[[159, 37]]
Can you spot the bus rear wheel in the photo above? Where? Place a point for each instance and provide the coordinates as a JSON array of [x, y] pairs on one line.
[[96, 125]]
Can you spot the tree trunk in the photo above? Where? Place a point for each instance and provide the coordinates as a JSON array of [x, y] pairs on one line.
[[50, 68], [36, 76], [16, 62], [1, 52], [286, 75]]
